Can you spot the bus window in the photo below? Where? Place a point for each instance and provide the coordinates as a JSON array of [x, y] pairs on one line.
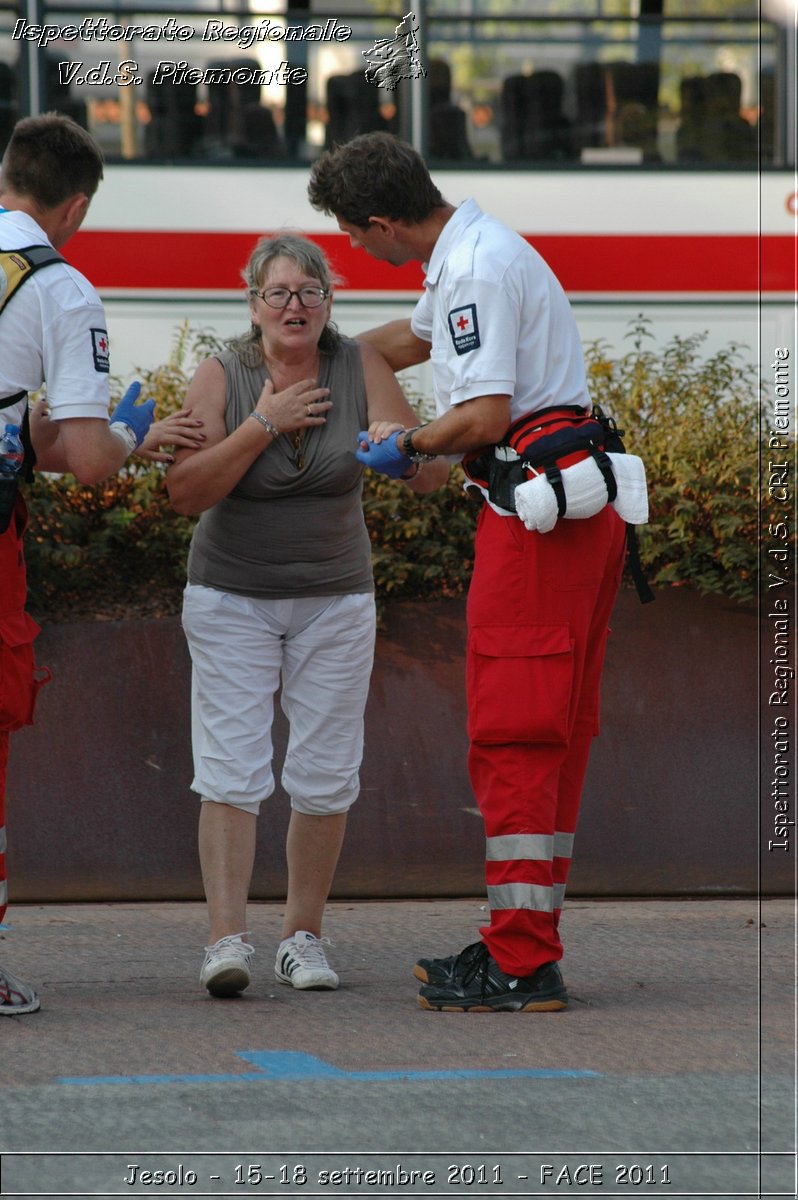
[[693, 86], [663, 83]]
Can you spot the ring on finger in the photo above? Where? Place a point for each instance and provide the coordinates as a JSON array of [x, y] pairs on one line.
[[307, 410]]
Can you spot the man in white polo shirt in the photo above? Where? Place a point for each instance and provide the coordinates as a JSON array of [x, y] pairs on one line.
[[53, 331], [503, 343]]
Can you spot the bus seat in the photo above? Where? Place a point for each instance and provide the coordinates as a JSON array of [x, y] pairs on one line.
[[174, 129], [533, 125], [712, 129], [59, 96], [352, 108], [447, 135], [261, 137], [225, 133]]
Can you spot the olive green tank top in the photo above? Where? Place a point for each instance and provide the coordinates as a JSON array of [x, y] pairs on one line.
[[287, 530]]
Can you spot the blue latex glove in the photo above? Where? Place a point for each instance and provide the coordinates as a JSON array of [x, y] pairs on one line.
[[384, 457], [137, 417]]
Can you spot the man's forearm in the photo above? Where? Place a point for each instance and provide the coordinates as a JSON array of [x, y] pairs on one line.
[[467, 426], [397, 344], [84, 446]]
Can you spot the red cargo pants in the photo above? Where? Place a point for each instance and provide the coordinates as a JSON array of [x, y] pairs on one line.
[[538, 611], [19, 679], [3, 770]]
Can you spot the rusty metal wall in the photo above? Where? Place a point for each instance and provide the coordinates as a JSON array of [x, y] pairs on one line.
[[100, 808]]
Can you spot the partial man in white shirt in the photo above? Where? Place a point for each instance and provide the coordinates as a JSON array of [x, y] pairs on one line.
[[503, 344], [53, 332]]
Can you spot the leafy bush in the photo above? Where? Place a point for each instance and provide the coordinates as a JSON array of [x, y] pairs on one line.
[[422, 547], [696, 424], [105, 551], [117, 548], [110, 549]]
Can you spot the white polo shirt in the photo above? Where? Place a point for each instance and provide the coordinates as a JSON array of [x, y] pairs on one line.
[[52, 331], [498, 319]]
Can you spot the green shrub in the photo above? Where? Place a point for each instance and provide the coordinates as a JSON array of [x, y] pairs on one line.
[[422, 547], [117, 548], [106, 551], [111, 549], [696, 424]]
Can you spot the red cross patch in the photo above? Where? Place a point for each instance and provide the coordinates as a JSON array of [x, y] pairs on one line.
[[464, 328], [100, 350]]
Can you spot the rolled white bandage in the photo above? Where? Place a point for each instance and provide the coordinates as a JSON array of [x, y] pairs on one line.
[[631, 503], [585, 493], [536, 504], [125, 434]]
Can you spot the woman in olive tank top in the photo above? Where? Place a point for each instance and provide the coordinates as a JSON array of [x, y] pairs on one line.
[[280, 595]]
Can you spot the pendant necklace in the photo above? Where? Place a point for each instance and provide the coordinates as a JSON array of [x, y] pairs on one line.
[[299, 457]]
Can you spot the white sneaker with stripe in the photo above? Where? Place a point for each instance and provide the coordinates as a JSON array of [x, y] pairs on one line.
[[302, 963]]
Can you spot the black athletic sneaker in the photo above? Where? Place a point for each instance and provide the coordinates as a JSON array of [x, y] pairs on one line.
[[438, 970], [480, 985]]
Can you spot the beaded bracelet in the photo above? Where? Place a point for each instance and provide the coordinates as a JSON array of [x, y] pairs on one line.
[[273, 430]]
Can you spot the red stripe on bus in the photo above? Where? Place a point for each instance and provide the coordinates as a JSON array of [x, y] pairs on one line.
[[154, 260]]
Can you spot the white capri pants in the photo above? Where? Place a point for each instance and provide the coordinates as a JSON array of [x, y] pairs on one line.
[[321, 649]]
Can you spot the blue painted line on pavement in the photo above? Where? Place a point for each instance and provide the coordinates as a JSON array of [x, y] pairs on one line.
[[280, 1065]]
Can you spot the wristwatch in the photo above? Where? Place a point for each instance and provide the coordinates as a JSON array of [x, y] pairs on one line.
[[407, 446]]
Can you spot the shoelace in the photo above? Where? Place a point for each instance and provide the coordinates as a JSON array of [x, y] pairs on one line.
[[312, 953], [233, 941], [10, 995], [475, 962]]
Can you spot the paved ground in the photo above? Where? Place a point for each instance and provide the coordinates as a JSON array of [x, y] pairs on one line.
[[671, 1074]]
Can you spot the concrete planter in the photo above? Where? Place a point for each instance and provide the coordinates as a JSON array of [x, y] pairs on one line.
[[100, 808]]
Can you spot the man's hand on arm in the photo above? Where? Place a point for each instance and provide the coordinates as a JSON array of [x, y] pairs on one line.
[[386, 456], [471, 425]]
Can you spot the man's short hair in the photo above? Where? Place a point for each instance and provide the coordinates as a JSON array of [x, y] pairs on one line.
[[50, 158], [374, 175]]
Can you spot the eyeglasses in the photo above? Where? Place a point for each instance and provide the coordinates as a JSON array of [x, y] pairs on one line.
[[308, 297]]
